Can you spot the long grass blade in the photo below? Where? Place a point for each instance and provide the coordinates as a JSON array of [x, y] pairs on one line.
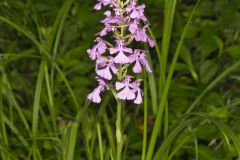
[[109, 134], [144, 146], [36, 105], [3, 132], [74, 133], [170, 6], [100, 140], [169, 12], [50, 99]]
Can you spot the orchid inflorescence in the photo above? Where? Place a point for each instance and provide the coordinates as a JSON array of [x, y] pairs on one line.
[[124, 22]]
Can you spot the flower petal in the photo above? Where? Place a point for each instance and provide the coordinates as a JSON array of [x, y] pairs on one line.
[[121, 58], [137, 68], [138, 99], [126, 94], [150, 42], [114, 69], [134, 14], [148, 69], [133, 28], [98, 6], [119, 85], [105, 73], [95, 96], [128, 50], [113, 50]]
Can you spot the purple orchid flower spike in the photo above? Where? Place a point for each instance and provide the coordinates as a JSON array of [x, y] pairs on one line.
[[95, 94], [106, 66], [138, 91], [126, 93], [123, 24], [140, 58], [121, 51], [98, 49]]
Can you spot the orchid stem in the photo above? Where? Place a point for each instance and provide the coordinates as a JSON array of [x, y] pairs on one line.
[[119, 130]]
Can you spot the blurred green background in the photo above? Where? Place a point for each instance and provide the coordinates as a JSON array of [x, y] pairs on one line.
[[37, 114]]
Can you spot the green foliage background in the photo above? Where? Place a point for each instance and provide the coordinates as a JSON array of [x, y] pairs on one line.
[[45, 75]]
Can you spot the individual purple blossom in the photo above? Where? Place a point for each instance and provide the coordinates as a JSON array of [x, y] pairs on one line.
[[126, 93], [140, 58], [97, 49], [121, 51], [104, 66], [95, 94], [140, 33], [101, 3], [136, 12]]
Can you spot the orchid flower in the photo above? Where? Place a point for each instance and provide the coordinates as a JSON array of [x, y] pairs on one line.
[[115, 54]]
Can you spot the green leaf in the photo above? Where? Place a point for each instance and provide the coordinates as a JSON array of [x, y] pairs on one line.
[[187, 58], [233, 51], [208, 70]]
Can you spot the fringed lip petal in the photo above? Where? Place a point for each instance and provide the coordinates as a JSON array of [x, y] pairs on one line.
[[126, 94]]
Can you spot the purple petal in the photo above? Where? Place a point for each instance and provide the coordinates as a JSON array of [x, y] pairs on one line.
[[95, 96], [133, 27], [100, 61], [151, 42], [101, 47], [143, 60], [129, 9], [140, 35], [105, 73], [121, 58], [98, 6], [137, 68], [105, 31], [126, 94], [102, 84], [107, 13], [113, 50], [114, 69], [148, 69], [138, 99], [119, 85], [128, 50], [92, 53], [134, 14]]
